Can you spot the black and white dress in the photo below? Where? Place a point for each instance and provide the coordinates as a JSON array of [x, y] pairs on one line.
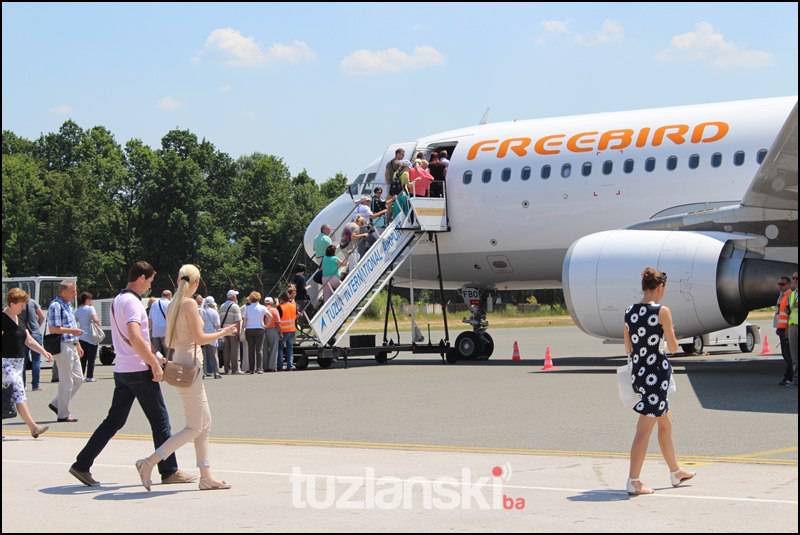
[[651, 370]]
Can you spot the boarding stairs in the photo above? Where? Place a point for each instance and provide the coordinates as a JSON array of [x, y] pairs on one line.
[[376, 267]]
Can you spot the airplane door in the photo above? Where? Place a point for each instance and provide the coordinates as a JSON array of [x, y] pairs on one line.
[[388, 156]]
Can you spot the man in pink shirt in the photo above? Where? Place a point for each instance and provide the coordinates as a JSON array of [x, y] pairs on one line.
[[137, 373], [420, 179]]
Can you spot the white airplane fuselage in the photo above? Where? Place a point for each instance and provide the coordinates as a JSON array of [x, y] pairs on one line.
[[511, 230]]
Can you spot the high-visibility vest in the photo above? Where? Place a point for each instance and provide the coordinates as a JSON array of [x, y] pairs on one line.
[[289, 317], [793, 308], [782, 316]]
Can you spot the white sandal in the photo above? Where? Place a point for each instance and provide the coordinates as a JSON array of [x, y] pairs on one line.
[[676, 481], [632, 489]]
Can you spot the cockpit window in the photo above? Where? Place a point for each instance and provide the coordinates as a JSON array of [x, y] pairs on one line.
[[369, 184], [355, 187]]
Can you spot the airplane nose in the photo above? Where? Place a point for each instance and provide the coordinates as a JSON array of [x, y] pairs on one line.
[[333, 215]]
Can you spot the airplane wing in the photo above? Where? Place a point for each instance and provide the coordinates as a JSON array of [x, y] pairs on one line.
[[768, 208]]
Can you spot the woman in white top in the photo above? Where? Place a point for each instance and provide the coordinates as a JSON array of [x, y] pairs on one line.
[[86, 316], [211, 324], [255, 315]]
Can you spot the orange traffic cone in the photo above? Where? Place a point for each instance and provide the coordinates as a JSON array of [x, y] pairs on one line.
[[515, 357], [548, 360], [766, 350]]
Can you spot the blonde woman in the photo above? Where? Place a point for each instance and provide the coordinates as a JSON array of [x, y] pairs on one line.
[[646, 324], [15, 338], [185, 335]]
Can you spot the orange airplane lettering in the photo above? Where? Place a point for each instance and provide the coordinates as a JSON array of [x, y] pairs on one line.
[[622, 137], [540, 145], [697, 134], [676, 137], [519, 150], [619, 139], [572, 144]]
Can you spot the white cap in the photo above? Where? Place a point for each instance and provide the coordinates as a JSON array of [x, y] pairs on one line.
[[210, 300], [269, 301], [232, 293]]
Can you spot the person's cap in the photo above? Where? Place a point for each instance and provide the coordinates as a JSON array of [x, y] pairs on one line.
[[232, 293], [210, 300], [365, 198], [269, 301], [405, 162]]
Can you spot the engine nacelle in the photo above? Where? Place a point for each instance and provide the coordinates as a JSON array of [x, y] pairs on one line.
[[711, 285]]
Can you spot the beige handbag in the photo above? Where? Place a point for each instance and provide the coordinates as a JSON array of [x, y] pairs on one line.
[[180, 375]]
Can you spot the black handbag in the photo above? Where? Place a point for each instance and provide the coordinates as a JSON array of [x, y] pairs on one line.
[[52, 343], [9, 407]]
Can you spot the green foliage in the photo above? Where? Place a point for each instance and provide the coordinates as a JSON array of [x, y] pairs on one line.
[[77, 203]]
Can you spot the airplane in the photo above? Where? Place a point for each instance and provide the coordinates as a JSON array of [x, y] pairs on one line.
[[706, 193]]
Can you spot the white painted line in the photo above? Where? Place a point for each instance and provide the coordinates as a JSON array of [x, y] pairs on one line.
[[518, 487]]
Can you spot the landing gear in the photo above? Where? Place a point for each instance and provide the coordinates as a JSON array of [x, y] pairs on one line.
[[695, 348], [469, 346], [478, 344]]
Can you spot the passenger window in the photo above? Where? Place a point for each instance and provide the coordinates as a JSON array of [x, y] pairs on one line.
[[738, 157], [506, 176], [716, 159], [526, 173], [628, 167], [672, 163], [355, 187], [369, 184], [608, 166], [566, 170], [650, 164], [694, 161], [487, 176], [762, 154], [586, 170], [467, 177], [545, 172]]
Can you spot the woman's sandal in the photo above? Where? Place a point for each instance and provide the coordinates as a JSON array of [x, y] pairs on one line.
[[676, 481], [642, 489], [206, 484], [141, 463]]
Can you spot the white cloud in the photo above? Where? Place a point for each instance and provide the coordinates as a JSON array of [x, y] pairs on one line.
[[293, 53], [236, 50], [227, 88], [707, 45], [391, 60], [169, 103], [611, 32], [62, 109]]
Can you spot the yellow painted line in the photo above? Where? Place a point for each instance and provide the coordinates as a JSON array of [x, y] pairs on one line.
[[695, 460], [766, 452]]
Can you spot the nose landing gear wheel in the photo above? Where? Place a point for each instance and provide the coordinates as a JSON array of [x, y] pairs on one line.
[[468, 346], [487, 346]]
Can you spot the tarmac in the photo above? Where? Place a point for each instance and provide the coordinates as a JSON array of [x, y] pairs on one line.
[[385, 448]]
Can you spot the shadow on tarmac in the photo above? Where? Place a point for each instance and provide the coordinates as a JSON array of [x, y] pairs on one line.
[[105, 493]]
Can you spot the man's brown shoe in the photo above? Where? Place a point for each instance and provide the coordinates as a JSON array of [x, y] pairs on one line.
[[177, 478], [84, 477]]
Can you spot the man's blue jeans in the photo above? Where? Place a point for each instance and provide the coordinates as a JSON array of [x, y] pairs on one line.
[[36, 363], [286, 353], [129, 387]]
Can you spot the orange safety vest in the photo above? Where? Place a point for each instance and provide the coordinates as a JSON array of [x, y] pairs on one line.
[[783, 312], [289, 317]]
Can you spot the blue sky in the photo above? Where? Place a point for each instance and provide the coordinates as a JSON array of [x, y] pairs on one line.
[[328, 87]]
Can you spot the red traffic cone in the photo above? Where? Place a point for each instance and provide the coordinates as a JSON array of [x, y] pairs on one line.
[[515, 357], [548, 360], [766, 350]]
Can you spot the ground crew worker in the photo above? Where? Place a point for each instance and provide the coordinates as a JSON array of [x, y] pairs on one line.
[[781, 324], [793, 342], [288, 311]]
